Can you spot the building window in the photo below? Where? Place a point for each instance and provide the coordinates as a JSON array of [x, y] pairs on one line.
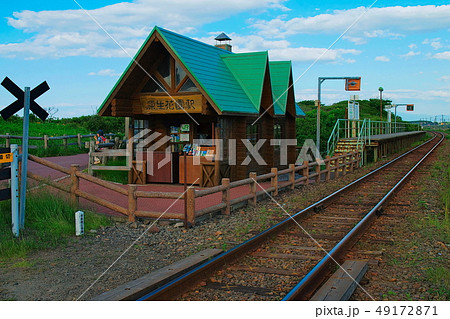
[[277, 131], [253, 132], [278, 134], [139, 126], [169, 76]]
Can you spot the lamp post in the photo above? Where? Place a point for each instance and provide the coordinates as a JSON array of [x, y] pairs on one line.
[[381, 103]]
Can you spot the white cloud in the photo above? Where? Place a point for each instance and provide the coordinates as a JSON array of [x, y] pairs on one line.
[[445, 78], [382, 34], [302, 54], [355, 40], [410, 54], [412, 46], [282, 49], [426, 95], [105, 72], [442, 55], [382, 58], [62, 33], [377, 22], [434, 43]]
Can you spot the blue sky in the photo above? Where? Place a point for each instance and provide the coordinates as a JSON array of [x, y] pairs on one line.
[[403, 46]]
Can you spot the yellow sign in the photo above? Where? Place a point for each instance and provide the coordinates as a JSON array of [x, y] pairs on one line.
[[166, 104], [6, 158]]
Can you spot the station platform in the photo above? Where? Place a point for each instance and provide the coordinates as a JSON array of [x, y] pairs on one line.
[[392, 136], [379, 145]]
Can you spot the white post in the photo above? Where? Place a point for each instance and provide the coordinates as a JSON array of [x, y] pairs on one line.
[[79, 223], [15, 190]]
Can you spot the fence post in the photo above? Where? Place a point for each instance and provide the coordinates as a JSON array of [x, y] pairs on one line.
[[132, 203], [327, 168], [252, 201], [344, 167], [189, 197], [65, 141], [292, 175], [45, 141], [317, 171], [91, 157], [8, 140], [226, 196], [79, 140], [274, 180], [75, 185], [306, 172], [352, 161]]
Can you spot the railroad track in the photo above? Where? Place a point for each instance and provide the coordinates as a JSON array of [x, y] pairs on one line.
[[290, 260]]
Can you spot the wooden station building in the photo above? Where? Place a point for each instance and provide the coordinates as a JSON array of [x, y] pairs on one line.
[[193, 91]]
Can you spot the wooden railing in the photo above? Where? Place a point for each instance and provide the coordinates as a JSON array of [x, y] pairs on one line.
[[76, 192], [333, 167], [46, 139], [330, 168], [104, 154]]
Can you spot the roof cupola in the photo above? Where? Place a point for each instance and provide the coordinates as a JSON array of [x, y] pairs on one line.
[[223, 42]]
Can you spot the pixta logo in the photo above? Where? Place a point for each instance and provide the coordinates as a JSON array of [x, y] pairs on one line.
[[147, 142]]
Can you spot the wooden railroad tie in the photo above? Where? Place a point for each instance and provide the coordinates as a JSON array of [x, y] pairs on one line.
[[147, 283], [342, 283]]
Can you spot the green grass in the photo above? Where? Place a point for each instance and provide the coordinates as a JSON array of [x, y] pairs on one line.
[[439, 276], [49, 222], [58, 127], [114, 176]]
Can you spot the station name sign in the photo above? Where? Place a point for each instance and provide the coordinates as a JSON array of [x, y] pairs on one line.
[[152, 104]]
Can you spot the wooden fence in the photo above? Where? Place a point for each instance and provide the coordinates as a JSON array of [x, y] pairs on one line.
[[46, 139], [330, 168]]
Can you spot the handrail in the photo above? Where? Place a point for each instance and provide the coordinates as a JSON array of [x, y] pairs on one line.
[[334, 137], [366, 128]]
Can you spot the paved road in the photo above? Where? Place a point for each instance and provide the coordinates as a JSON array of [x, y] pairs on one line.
[[65, 161]]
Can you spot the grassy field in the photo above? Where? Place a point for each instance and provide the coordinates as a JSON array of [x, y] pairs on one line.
[[49, 222], [58, 127]]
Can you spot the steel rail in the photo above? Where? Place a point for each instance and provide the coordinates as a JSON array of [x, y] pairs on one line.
[[307, 286], [179, 284]]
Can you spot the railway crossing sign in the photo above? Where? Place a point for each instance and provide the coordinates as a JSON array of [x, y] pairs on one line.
[[16, 106], [25, 100]]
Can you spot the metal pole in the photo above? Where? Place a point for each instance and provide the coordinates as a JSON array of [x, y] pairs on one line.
[[395, 118], [381, 105], [23, 184], [318, 120], [15, 190]]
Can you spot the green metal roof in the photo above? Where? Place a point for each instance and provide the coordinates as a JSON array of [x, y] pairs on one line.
[[298, 111], [233, 81], [204, 62], [279, 76], [249, 70]]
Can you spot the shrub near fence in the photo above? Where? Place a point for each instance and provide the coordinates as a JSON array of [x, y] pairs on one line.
[[46, 139], [333, 168]]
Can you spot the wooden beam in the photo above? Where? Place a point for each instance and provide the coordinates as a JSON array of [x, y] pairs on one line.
[[342, 284], [137, 288]]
